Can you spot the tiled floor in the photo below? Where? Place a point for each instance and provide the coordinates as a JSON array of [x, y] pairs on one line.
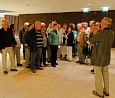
[[67, 80]]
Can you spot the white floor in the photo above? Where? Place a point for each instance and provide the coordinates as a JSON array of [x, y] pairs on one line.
[[67, 80]]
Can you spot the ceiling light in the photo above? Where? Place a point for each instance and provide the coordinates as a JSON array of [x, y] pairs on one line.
[[85, 10], [105, 9], [89, 4]]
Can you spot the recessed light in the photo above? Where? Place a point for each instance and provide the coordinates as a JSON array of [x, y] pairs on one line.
[[85, 10], [89, 4], [105, 9]]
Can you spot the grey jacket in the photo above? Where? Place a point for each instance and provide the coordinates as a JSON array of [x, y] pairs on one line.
[[102, 41]]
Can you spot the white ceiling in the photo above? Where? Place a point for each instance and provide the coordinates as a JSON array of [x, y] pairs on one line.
[[51, 6]]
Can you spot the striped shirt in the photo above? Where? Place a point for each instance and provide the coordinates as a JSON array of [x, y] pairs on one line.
[[39, 37]]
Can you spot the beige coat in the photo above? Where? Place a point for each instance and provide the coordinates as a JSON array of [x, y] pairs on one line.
[[82, 39]]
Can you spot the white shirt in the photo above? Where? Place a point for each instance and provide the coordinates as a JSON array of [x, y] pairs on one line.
[[17, 39], [87, 30]]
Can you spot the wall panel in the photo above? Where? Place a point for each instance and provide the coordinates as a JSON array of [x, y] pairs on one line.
[[67, 17]]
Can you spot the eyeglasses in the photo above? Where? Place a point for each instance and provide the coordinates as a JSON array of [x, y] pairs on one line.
[[54, 25]]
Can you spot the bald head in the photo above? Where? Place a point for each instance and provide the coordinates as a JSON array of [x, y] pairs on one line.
[[53, 23], [37, 25]]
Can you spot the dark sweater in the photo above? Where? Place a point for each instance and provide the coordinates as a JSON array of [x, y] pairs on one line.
[[39, 37], [6, 38], [32, 40]]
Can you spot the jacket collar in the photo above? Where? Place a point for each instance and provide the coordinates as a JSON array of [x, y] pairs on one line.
[[106, 28]]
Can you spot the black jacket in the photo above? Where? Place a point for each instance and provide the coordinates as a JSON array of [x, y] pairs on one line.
[[6, 38], [21, 34], [32, 40], [70, 39]]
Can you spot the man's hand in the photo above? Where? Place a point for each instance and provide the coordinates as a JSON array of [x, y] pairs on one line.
[[1, 51]]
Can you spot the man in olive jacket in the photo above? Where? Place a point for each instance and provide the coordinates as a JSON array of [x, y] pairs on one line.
[[102, 41]]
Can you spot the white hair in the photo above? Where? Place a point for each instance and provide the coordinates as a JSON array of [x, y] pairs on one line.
[[43, 24], [26, 23], [79, 24]]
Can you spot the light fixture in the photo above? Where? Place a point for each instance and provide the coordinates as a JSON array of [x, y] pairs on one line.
[[104, 9], [85, 10]]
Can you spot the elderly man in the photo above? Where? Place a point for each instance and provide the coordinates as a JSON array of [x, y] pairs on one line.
[[7, 42], [102, 41], [86, 29], [35, 43], [22, 32], [81, 43]]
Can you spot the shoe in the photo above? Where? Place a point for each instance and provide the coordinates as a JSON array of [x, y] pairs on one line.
[[92, 71], [41, 65], [53, 65], [39, 68], [49, 61], [45, 64], [14, 70], [56, 63], [82, 63], [5, 72], [95, 93], [28, 66], [19, 65], [106, 94], [34, 71], [78, 61]]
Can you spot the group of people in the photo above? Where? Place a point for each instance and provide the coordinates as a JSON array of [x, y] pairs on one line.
[[92, 42]]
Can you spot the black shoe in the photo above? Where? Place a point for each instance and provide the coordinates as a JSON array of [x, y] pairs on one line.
[[92, 71], [34, 71], [106, 94], [19, 65], [39, 68], [14, 70], [78, 61], [53, 65], [5, 72], [49, 61], [95, 93], [56, 63], [81, 63], [28, 66], [45, 64]]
